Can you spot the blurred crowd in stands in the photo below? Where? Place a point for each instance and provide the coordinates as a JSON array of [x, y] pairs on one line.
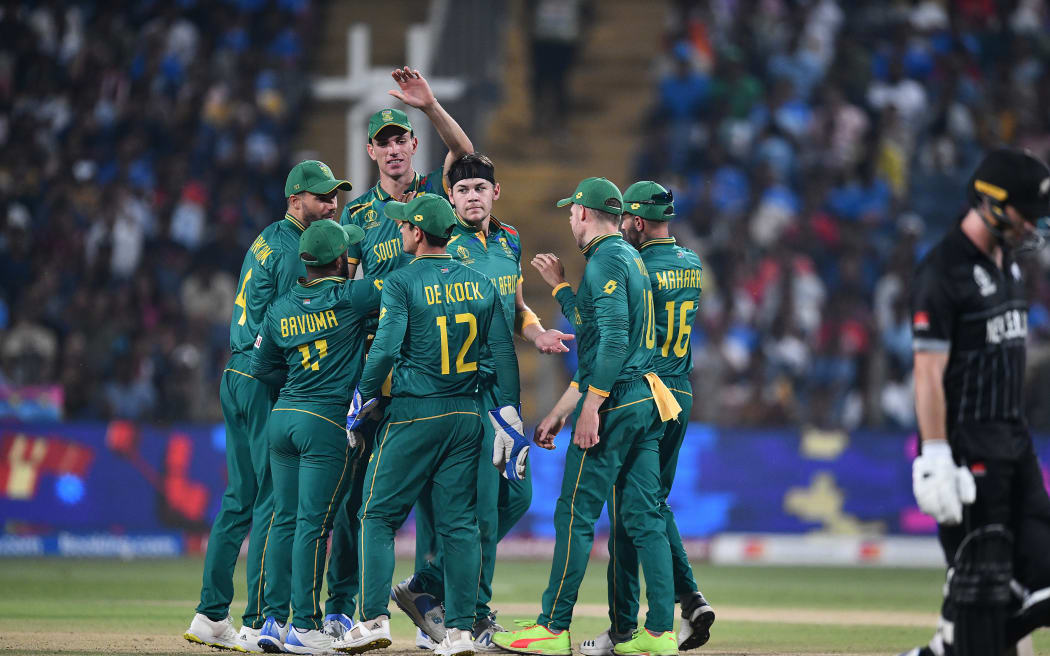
[[816, 149], [142, 145]]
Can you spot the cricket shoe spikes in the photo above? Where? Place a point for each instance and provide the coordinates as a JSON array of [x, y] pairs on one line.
[[423, 609], [219, 634]]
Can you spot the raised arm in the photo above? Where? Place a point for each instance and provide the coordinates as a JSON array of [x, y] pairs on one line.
[[415, 92]]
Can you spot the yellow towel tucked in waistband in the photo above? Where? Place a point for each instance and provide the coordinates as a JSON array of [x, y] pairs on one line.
[[666, 403]]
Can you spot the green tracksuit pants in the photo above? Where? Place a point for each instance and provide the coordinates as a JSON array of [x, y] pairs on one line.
[[247, 502], [501, 503], [435, 442], [344, 569], [627, 457], [623, 588], [312, 463]]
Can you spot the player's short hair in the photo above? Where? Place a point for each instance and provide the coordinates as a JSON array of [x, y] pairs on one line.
[[434, 240], [603, 215], [470, 166]]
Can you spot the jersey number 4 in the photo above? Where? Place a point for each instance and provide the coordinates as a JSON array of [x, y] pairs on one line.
[[472, 333], [241, 301]]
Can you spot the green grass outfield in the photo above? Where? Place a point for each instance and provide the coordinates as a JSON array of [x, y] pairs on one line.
[[64, 606]]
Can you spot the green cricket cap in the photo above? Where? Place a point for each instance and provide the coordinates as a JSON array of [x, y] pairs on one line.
[[315, 177], [326, 240], [597, 194], [430, 212], [385, 117], [649, 200]]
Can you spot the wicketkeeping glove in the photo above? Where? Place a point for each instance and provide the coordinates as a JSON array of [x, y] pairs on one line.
[[510, 449], [359, 411], [941, 488]]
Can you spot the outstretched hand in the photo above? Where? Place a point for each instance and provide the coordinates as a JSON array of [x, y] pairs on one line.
[[553, 341], [414, 88]]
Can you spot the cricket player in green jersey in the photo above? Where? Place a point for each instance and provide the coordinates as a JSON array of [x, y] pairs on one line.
[[271, 267], [493, 248], [620, 406], [311, 346], [675, 275], [435, 312], [391, 144]]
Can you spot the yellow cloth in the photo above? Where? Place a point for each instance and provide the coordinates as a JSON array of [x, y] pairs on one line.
[[666, 403]]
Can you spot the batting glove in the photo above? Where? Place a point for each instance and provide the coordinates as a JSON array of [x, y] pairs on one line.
[[359, 411], [941, 488], [510, 449]]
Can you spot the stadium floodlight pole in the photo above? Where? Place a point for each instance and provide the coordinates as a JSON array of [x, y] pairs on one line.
[[364, 89]]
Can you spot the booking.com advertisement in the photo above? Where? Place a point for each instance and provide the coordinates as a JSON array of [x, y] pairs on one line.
[[136, 490]]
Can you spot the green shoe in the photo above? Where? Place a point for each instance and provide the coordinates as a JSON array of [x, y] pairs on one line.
[[534, 639], [644, 643]]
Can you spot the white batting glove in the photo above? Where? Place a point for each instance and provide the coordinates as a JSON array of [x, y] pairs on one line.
[[941, 488], [510, 449]]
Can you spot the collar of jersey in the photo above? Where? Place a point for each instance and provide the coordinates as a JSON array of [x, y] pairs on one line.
[[383, 196], [592, 245], [295, 222], [666, 241], [443, 256], [317, 281]]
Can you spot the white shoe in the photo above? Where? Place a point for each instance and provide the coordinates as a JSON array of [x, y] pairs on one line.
[[337, 624], [603, 644], [423, 641], [365, 636], [457, 642], [248, 639], [310, 641], [272, 635], [423, 609], [221, 634]]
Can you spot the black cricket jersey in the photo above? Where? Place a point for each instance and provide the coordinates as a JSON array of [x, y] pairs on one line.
[[965, 305]]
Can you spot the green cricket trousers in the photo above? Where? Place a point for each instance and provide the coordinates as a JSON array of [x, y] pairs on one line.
[[424, 442], [623, 588], [343, 566], [247, 502], [501, 503], [627, 457], [312, 463]]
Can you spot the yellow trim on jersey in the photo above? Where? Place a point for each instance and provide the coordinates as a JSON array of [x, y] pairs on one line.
[[239, 372], [309, 413], [296, 222], [558, 287], [574, 384], [339, 279], [353, 260], [262, 565], [680, 391], [660, 240], [442, 256], [600, 238], [601, 393]]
